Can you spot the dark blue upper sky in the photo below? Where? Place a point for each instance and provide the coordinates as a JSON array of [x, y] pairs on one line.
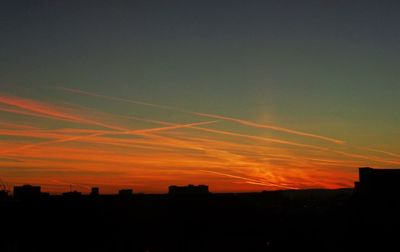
[[325, 66]]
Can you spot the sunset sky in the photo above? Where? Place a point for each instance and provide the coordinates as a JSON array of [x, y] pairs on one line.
[[239, 95]]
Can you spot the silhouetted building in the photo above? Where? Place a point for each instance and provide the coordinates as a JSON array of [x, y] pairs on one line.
[[189, 189], [3, 194], [27, 192], [125, 192], [379, 182], [73, 194], [95, 191]]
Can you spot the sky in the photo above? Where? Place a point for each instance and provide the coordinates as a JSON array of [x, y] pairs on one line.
[[238, 95]]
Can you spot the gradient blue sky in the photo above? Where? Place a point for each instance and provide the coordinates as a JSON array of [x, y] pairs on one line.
[[324, 67]]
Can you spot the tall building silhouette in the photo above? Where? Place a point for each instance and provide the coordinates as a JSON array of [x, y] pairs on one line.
[[95, 191], [379, 182]]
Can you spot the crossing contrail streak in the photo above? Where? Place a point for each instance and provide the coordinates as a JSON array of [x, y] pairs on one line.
[[250, 180], [272, 127], [225, 118], [128, 132], [38, 109]]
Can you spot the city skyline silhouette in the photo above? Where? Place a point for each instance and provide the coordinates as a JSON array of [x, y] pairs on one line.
[[208, 125], [190, 218], [239, 96]]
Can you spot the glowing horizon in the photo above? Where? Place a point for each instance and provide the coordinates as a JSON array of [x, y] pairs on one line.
[[238, 95], [94, 151]]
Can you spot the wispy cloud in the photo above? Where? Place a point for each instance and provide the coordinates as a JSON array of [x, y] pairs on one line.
[[266, 139], [7, 125], [34, 108], [160, 152], [80, 137], [220, 117], [380, 151], [82, 92], [250, 180], [271, 127]]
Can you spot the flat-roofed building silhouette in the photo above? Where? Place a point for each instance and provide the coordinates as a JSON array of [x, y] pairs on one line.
[[189, 189], [27, 192], [73, 194], [376, 181], [125, 192], [95, 191]]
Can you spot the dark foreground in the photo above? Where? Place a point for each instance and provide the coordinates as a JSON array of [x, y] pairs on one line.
[[317, 220]]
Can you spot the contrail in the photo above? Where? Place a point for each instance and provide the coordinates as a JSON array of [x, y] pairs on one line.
[[266, 139], [276, 128], [367, 157], [129, 132], [255, 181], [243, 122], [380, 151], [33, 108], [228, 133], [176, 126], [37, 109], [78, 91], [16, 126], [225, 118]]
